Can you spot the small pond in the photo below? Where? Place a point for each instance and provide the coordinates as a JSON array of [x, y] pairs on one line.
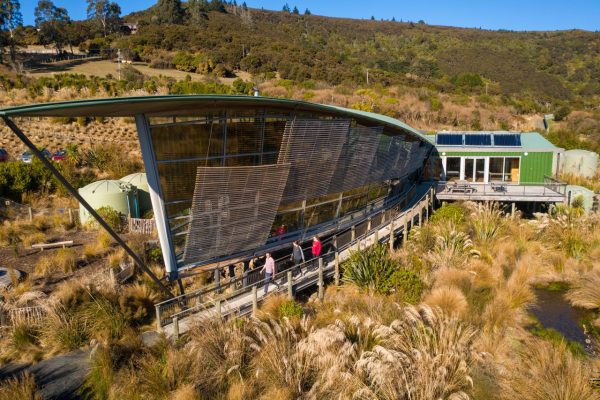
[[554, 311]]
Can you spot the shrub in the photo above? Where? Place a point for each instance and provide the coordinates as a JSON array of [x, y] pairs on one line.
[[449, 212], [101, 376], [405, 283], [290, 309], [111, 216]]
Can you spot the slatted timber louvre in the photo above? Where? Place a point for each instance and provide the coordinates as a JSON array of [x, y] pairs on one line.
[[233, 209], [356, 159], [312, 147]]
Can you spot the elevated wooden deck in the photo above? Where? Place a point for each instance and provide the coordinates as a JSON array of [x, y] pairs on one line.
[[543, 193]]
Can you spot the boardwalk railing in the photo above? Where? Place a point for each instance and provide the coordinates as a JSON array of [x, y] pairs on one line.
[[550, 188], [338, 248]]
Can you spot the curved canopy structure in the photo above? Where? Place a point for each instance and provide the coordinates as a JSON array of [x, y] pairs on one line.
[[232, 176]]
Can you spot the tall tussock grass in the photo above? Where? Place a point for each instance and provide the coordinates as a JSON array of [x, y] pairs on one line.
[[544, 371], [585, 292], [22, 387]]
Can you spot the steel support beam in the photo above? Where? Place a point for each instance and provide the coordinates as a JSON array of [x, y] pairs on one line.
[[21, 135]]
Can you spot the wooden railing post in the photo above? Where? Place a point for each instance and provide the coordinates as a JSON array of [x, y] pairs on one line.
[[337, 269], [420, 214], [376, 236], [218, 307], [254, 301], [391, 234], [175, 327], [427, 210], [353, 233], [321, 283], [369, 224], [158, 321], [290, 288], [405, 231]]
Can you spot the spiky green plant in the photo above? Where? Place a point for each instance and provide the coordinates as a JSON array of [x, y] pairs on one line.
[[452, 248], [370, 269]]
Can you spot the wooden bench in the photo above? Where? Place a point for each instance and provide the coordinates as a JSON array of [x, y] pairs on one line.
[[44, 246]]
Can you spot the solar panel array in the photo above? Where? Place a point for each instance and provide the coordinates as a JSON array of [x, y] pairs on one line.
[[449, 139], [507, 139], [233, 209], [312, 147], [476, 139]]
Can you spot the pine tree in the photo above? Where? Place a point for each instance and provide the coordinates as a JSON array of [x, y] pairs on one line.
[[296, 11], [286, 8], [307, 12], [168, 12]]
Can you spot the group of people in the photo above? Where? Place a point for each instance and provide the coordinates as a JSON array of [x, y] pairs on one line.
[[297, 258]]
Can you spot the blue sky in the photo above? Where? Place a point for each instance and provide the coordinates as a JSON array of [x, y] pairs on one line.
[[493, 14]]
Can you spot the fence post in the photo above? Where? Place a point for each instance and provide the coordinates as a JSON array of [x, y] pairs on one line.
[[218, 279], [337, 269], [369, 224], [420, 214], [353, 233], [392, 234], [254, 301], [290, 289], [158, 322], [245, 279], [427, 209], [376, 236], [176, 328], [30, 214], [321, 283]]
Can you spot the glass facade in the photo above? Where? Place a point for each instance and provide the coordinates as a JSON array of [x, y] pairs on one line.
[[329, 167]]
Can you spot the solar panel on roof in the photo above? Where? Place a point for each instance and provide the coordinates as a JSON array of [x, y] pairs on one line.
[[478, 140], [450, 139], [512, 140]]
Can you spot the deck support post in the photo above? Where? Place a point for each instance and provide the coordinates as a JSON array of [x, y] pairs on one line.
[[218, 307], [337, 269], [158, 321], [176, 328], [321, 283], [376, 236], [391, 234], [254, 300], [290, 289], [369, 225], [512, 209]]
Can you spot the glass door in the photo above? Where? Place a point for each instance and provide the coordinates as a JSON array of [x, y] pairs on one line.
[[474, 169]]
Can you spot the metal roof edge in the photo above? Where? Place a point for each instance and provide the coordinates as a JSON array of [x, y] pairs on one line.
[[45, 109]]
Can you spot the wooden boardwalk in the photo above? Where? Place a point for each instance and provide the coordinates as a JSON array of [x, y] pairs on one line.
[[176, 316]]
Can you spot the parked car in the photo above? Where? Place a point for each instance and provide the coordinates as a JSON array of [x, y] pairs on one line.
[[27, 156], [60, 155], [3, 155]]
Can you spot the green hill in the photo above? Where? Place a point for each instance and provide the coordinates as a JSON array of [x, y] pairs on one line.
[[549, 66]]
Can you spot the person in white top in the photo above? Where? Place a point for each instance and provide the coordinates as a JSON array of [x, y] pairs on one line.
[[270, 271]]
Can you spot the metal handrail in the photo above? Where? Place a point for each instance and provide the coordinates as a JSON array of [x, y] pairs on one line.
[[197, 301], [515, 189]]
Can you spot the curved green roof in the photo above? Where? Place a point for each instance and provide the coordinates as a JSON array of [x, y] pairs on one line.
[[180, 104]]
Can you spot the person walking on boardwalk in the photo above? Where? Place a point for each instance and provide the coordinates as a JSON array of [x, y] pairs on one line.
[[269, 269], [297, 256], [316, 247]]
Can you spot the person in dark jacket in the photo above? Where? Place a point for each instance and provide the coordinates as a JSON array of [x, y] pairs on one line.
[[297, 257]]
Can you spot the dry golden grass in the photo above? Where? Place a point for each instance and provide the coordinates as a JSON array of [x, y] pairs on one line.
[[585, 292], [63, 260], [22, 387], [449, 299], [544, 371]]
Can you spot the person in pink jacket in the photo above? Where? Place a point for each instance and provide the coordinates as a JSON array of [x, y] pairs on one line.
[[316, 247]]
